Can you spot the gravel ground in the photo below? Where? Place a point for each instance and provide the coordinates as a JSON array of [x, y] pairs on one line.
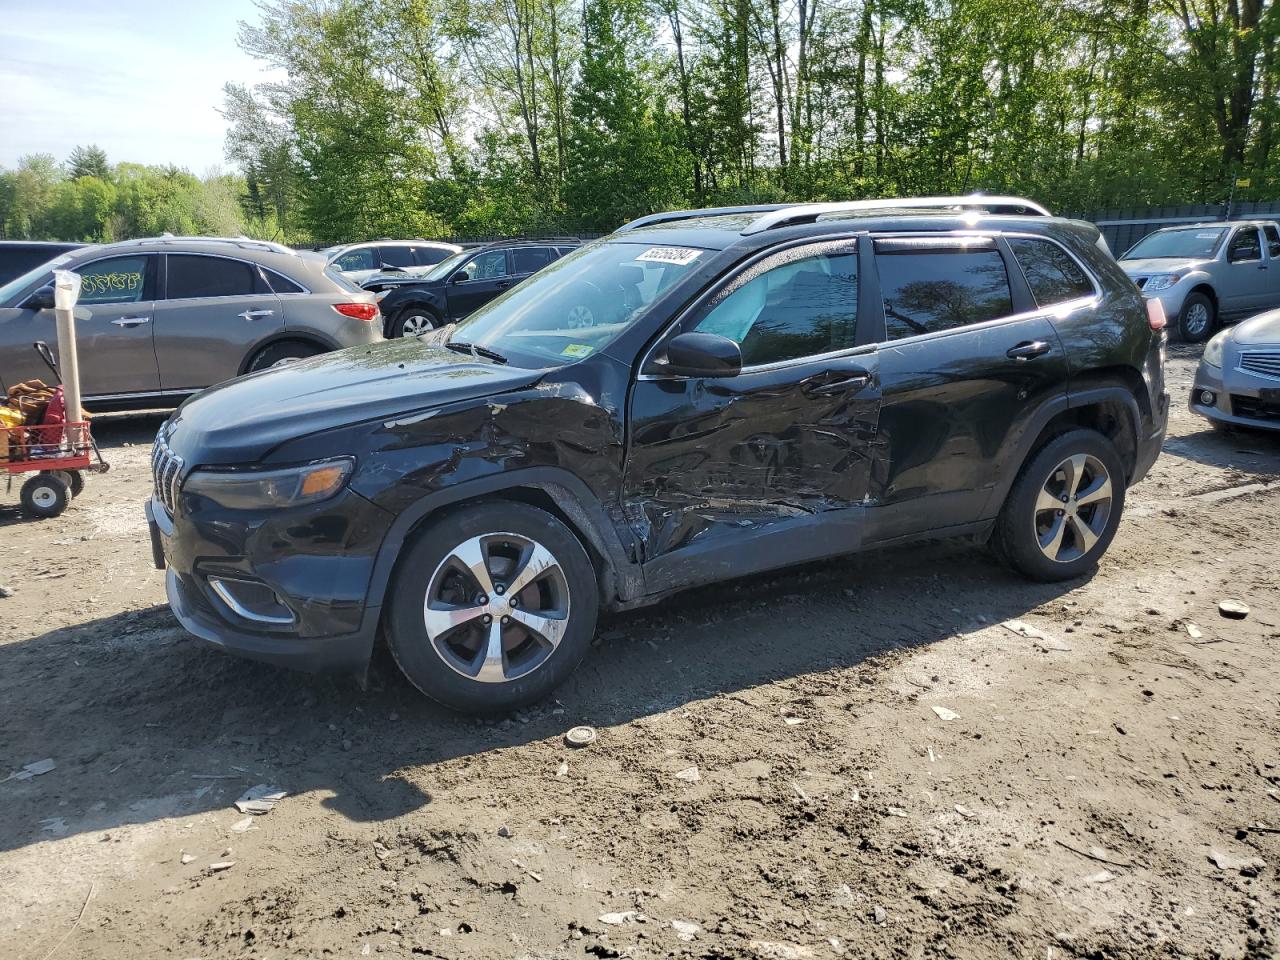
[[883, 767]]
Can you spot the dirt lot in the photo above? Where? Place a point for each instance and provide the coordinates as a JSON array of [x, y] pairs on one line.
[[1071, 803]]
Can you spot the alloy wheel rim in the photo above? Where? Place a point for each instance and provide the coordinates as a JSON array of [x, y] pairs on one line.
[[497, 607], [415, 325], [1072, 508], [1197, 318]]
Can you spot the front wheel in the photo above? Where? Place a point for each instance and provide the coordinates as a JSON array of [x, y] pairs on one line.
[[1064, 508], [413, 322], [1195, 319], [492, 607], [282, 354], [45, 495]]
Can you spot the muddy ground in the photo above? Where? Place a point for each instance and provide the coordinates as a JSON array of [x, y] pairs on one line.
[[1071, 804]]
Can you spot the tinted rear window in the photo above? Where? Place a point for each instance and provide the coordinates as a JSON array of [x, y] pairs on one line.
[[395, 256], [193, 276], [928, 288], [1051, 272], [430, 256], [530, 259]]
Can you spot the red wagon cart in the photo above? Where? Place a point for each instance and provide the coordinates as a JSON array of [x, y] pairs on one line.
[[57, 456]]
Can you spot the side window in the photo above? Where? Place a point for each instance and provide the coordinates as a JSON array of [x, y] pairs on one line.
[[487, 266], [192, 276], [796, 307], [394, 256], [530, 259], [430, 256], [360, 258], [1245, 246], [1051, 272], [1272, 236], [929, 287], [117, 280], [282, 284]]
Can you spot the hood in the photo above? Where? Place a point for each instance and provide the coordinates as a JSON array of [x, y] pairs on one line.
[[1262, 329], [242, 420], [1146, 266]]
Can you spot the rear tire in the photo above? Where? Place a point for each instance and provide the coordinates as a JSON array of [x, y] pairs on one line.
[[282, 353], [1196, 319], [413, 321], [45, 495], [457, 573], [1048, 538]]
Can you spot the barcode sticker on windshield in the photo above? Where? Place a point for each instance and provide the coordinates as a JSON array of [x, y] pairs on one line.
[[677, 255], [1209, 236]]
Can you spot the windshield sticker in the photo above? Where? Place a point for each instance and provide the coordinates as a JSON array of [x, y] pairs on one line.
[[576, 350], [680, 256], [1209, 236]]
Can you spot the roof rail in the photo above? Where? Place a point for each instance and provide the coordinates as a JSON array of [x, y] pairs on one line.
[[242, 242], [809, 212], [671, 216]]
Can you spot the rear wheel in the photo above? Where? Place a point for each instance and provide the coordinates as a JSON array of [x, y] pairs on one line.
[[1195, 319], [413, 321], [282, 354], [1064, 508], [492, 607], [45, 495]]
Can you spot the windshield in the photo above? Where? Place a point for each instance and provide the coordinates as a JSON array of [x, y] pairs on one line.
[[18, 284], [576, 306], [445, 267], [1183, 244]]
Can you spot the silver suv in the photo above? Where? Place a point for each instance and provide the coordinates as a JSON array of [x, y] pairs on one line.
[[161, 318], [1208, 273]]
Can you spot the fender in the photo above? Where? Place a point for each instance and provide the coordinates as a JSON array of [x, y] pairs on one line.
[[1041, 419], [620, 575]]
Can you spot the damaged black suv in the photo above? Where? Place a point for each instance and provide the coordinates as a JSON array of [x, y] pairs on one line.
[[698, 396]]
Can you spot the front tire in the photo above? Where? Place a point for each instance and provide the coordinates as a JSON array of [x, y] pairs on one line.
[[45, 495], [413, 322], [281, 354], [1196, 319], [492, 607], [1064, 508]]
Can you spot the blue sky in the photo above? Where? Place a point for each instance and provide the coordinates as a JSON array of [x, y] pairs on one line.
[[140, 78]]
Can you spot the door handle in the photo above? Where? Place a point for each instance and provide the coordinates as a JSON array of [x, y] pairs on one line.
[[1028, 351], [255, 314], [131, 321], [819, 388]]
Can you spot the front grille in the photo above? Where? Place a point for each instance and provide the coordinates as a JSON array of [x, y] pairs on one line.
[[166, 472], [1266, 363], [1254, 408]]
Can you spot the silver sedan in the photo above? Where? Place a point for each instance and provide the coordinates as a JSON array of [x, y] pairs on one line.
[[1238, 382]]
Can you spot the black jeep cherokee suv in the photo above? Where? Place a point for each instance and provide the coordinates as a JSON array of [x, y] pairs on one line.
[[698, 396], [463, 283]]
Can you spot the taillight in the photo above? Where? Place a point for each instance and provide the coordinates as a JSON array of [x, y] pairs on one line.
[[358, 311], [1155, 314]]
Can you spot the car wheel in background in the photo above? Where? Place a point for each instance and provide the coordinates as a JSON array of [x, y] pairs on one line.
[[413, 322], [1063, 509], [45, 495], [282, 353], [1196, 319], [492, 607]]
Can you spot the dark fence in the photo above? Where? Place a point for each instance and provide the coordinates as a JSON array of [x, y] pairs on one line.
[[1123, 227]]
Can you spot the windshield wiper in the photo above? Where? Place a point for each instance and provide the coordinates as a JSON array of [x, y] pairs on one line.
[[476, 351]]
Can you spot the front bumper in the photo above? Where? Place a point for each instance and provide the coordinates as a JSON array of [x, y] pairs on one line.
[[1238, 398], [314, 563]]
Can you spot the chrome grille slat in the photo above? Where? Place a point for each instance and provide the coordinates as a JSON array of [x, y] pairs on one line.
[[166, 472], [1264, 363]]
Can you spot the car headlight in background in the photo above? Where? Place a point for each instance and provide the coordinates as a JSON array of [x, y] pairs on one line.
[[1213, 350], [1162, 281], [262, 489]]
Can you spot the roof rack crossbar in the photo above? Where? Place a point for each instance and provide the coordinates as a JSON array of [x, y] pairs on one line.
[[809, 212], [242, 242]]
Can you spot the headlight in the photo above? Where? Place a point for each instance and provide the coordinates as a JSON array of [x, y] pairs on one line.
[[1162, 281], [259, 489], [1213, 350]]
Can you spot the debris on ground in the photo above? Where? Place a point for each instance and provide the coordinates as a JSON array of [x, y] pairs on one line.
[[1043, 641], [685, 930], [580, 737], [1233, 609], [620, 917], [5, 592], [689, 775], [187, 858], [242, 826], [219, 865], [1248, 865], [945, 714], [260, 799], [1102, 876], [1194, 632], [34, 769]]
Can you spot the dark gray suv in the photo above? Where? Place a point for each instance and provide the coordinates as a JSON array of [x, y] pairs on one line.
[[161, 318]]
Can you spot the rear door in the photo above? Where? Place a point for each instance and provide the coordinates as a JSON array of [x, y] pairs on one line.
[[1248, 285], [479, 280], [529, 260], [966, 357], [1271, 248], [215, 312]]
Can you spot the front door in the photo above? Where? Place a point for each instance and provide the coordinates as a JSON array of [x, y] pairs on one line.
[[966, 359], [214, 313], [477, 282], [749, 472], [1248, 275]]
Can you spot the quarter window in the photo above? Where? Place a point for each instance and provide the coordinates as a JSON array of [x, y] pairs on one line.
[[1051, 272], [117, 280], [359, 259], [193, 276], [1272, 236], [928, 287], [1244, 246], [430, 256], [799, 307]]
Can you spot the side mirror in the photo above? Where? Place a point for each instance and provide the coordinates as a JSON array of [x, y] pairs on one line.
[[459, 277], [703, 355], [42, 299]]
